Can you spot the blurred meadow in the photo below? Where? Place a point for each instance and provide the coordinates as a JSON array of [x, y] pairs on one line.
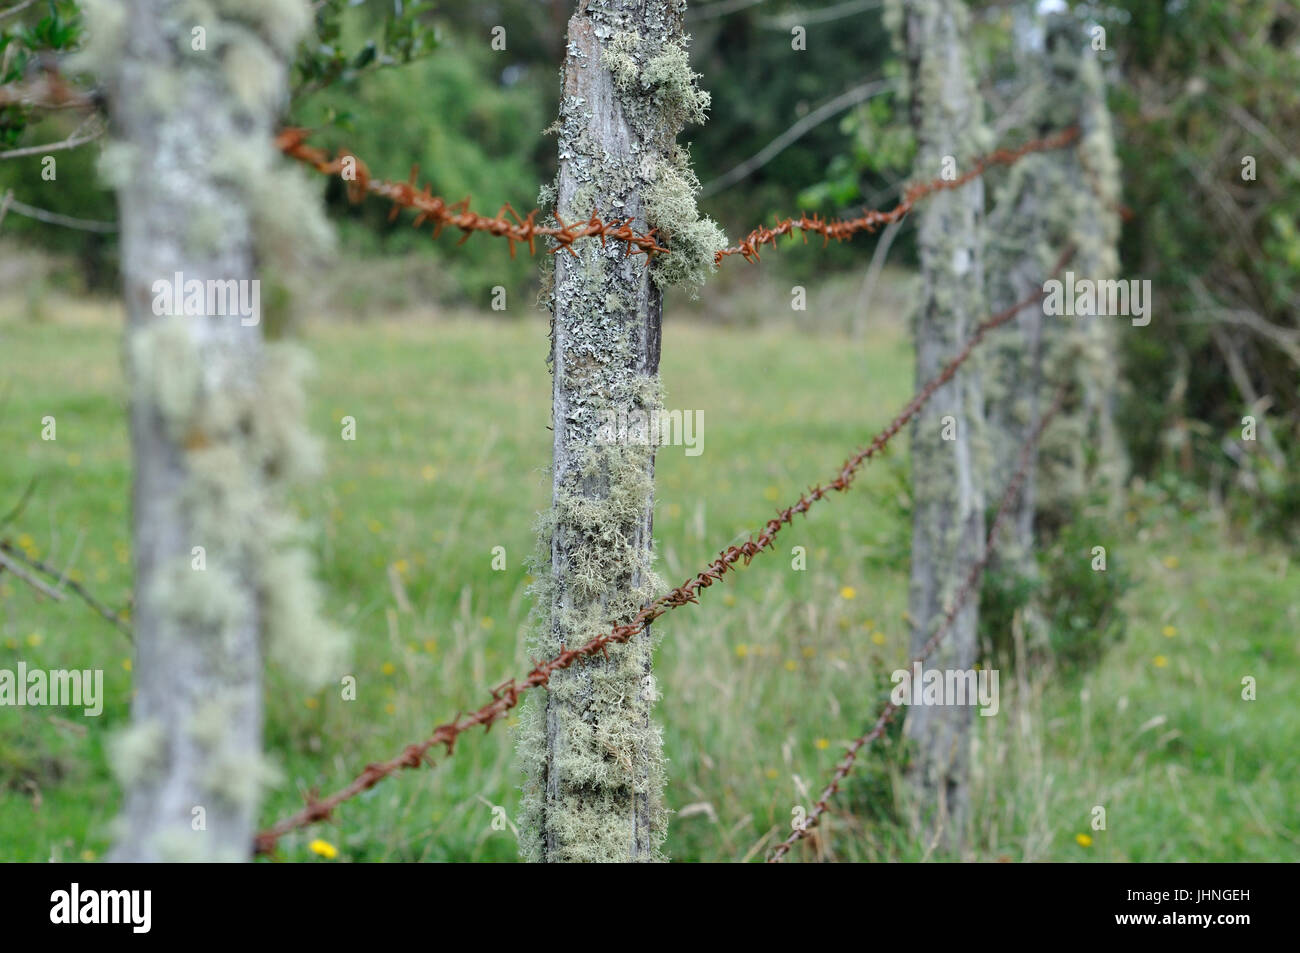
[[763, 683]]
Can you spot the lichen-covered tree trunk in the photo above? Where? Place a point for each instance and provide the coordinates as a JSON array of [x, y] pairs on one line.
[[214, 415], [591, 754], [947, 488]]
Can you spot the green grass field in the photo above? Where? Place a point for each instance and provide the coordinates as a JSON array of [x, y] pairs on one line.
[[763, 683]]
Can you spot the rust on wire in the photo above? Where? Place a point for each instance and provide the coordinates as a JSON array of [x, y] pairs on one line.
[[506, 695], [968, 587], [841, 229], [444, 214]]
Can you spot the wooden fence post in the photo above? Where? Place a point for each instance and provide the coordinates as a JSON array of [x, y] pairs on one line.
[[216, 417], [947, 488], [591, 755]]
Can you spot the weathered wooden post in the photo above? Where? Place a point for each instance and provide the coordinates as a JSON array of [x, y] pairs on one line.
[[1050, 202], [215, 416], [947, 487], [592, 757]]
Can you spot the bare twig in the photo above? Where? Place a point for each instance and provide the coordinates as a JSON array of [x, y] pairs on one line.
[[793, 18], [37, 584], [868, 288], [16, 9], [71, 142], [76, 587], [720, 8], [55, 218], [859, 94]]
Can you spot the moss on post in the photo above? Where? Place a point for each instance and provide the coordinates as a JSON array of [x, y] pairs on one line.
[[947, 476], [591, 755], [222, 575]]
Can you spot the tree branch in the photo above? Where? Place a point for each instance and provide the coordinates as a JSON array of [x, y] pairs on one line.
[[76, 587], [25, 576], [16, 8], [71, 142], [815, 118], [54, 218]]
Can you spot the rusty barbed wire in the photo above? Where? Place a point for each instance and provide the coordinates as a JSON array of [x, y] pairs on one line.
[[841, 229], [507, 694], [959, 599], [1093, 180], [444, 214]]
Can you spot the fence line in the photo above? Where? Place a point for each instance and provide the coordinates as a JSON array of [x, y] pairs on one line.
[[443, 214], [507, 694], [967, 589]]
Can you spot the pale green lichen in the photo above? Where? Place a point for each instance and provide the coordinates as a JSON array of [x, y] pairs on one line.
[[106, 29], [620, 58], [230, 773], [590, 752], [281, 22], [138, 752], [245, 447], [694, 241]]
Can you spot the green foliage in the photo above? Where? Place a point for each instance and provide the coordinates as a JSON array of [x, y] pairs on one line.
[[468, 136], [51, 27], [1206, 86], [1082, 605], [402, 35]]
